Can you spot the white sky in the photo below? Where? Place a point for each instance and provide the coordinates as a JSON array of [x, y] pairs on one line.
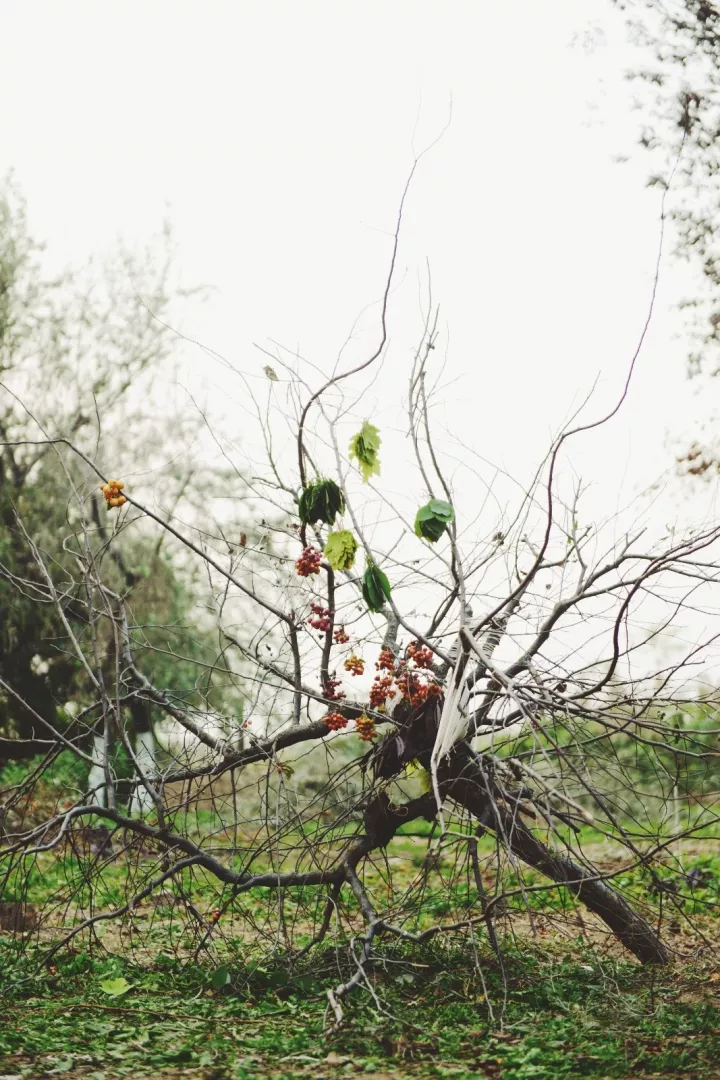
[[278, 138]]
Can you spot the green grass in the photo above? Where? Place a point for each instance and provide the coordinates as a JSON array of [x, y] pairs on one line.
[[565, 1016], [563, 1012]]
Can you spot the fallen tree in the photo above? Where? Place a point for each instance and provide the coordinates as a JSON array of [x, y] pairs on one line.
[[403, 654]]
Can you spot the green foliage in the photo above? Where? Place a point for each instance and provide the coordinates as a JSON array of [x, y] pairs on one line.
[[340, 549], [375, 588], [66, 774], [364, 448], [432, 520], [557, 1017], [322, 500]]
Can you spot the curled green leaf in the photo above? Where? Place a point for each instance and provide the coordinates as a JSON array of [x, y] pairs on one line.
[[375, 588], [432, 520], [321, 500]]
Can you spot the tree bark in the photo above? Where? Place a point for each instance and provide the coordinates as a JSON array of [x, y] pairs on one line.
[[464, 782]]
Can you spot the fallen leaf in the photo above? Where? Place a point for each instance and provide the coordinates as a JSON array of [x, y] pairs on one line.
[[115, 987]]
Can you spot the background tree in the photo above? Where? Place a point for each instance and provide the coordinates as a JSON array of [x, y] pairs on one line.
[[82, 356], [676, 80], [678, 88]]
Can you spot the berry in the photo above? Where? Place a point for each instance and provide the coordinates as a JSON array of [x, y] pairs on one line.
[[386, 660], [112, 492], [330, 690], [420, 654], [355, 664], [381, 689], [414, 690], [340, 637], [365, 727], [334, 721], [322, 621], [309, 562]]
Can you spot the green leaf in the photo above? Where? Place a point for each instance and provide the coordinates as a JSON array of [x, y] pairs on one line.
[[115, 987], [340, 549], [432, 520], [375, 588], [442, 509], [364, 448], [416, 769], [321, 500], [220, 978]]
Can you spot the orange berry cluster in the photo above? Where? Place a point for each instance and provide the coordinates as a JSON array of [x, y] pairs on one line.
[[341, 637], [309, 562], [113, 493], [355, 664], [334, 721], [365, 726]]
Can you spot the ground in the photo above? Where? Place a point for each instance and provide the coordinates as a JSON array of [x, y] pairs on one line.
[[139, 1002], [568, 1013]]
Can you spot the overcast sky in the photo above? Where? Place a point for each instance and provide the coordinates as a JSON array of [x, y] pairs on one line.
[[278, 138]]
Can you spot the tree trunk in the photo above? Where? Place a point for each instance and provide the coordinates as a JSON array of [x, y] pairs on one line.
[[464, 782]]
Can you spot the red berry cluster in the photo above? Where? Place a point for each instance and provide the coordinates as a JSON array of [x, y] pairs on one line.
[[309, 562], [415, 691], [341, 637], [334, 721], [365, 727], [420, 654], [403, 678], [330, 690], [355, 664], [386, 660], [322, 618], [381, 689]]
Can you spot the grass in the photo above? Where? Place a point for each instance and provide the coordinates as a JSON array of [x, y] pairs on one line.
[[563, 1014], [571, 1005]]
